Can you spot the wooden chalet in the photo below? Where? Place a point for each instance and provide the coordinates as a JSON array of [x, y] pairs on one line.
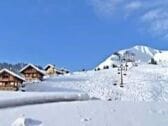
[[52, 70], [32, 73], [10, 80]]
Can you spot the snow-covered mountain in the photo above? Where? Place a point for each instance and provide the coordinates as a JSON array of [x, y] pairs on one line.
[[139, 53]]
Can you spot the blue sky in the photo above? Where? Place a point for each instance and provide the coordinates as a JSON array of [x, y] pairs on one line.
[[78, 33]]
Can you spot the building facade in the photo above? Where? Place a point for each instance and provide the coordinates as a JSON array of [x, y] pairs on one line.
[[10, 80], [52, 70], [32, 72]]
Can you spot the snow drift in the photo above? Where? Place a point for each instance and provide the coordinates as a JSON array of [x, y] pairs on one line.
[[11, 99], [23, 121]]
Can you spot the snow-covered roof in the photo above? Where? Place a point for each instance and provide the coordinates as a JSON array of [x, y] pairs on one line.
[[33, 66], [12, 73], [53, 66], [49, 65]]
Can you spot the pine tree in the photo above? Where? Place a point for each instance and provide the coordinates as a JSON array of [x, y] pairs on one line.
[[153, 61]]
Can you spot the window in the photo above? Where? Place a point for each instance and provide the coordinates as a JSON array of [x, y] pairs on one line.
[[12, 83], [5, 76], [27, 75], [6, 83], [34, 75]]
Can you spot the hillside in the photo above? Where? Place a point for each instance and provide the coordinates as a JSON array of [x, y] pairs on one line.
[[140, 54], [161, 58], [94, 98], [142, 83], [145, 92]]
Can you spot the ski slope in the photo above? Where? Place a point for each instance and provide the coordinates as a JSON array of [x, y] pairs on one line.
[[95, 101], [143, 83], [162, 58], [142, 54]]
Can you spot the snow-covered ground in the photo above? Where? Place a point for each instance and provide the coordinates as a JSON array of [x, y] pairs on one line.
[[142, 101], [96, 84], [87, 113], [162, 58], [143, 83]]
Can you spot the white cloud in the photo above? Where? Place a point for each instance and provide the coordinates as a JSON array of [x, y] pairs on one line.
[[152, 15], [157, 21], [105, 7], [134, 5], [155, 14]]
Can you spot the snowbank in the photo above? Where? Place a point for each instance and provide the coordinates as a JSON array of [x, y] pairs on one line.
[[21, 99]]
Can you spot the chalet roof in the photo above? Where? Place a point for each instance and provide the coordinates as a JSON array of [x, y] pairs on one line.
[[49, 65], [33, 66], [12, 73], [52, 66]]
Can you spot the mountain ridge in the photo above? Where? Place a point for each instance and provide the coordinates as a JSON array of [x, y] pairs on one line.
[[141, 54]]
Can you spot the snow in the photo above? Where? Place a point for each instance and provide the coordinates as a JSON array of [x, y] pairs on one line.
[[33, 66], [143, 83], [12, 73], [12, 99], [89, 113], [64, 100], [162, 58], [142, 54], [91, 99], [49, 65], [22, 121], [53, 66], [96, 84]]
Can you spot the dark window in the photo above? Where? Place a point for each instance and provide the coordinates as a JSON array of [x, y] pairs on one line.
[[5, 76]]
